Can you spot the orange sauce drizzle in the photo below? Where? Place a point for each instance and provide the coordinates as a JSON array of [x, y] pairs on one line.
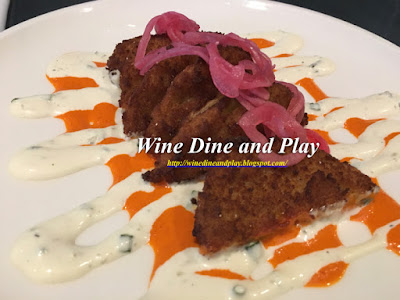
[[348, 158], [312, 88], [175, 222], [328, 275], [374, 180], [357, 126], [381, 211], [172, 231], [390, 136], [393, 239], [123, 165], [325, 136], [283, 55], [292, 66], [312, 117], [222, 273], [324, 239], [170, 234], [71, 83], [101, 116], [140, 199], [100, 64], [262, 43], [332, 110], [278, 239]]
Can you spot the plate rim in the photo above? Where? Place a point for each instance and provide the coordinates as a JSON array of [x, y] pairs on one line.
[[30, 22]]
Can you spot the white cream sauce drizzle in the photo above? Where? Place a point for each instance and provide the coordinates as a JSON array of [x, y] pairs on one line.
[[300, 66], [76, 64], [383, 105], [46, 254], [50, 255], [312, 67], [64, 154], [175, 279], [373, 158], [50, 105], [81, 64], [285, 42], [387, 160]]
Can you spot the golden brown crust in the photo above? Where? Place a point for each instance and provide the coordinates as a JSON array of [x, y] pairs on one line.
[[141, 95], [240, 205], [177, 100], [189, 91], [143, 100], [219, 122], [123, 59]]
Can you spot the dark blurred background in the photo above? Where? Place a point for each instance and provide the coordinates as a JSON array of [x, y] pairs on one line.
[[379, 16]]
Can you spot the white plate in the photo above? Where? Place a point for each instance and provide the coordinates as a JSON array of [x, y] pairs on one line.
[[366, 64]]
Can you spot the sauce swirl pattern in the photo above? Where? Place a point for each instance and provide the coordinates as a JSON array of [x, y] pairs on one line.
[[86, 97]]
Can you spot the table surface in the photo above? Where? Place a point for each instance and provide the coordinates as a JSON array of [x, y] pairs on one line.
[[381, 17]]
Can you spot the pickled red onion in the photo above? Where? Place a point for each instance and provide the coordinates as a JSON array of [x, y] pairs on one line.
[[296, 105], [278, 120], [161, 54], [246, 81], [261, 93], [198, 38], [183, 32], [226, 77], [252, 99], [315, 138], [172, 23]]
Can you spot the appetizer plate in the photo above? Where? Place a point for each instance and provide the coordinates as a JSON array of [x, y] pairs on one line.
[[365, 64]]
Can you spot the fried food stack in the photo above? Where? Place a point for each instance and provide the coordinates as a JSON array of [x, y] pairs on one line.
[[177, 100]]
